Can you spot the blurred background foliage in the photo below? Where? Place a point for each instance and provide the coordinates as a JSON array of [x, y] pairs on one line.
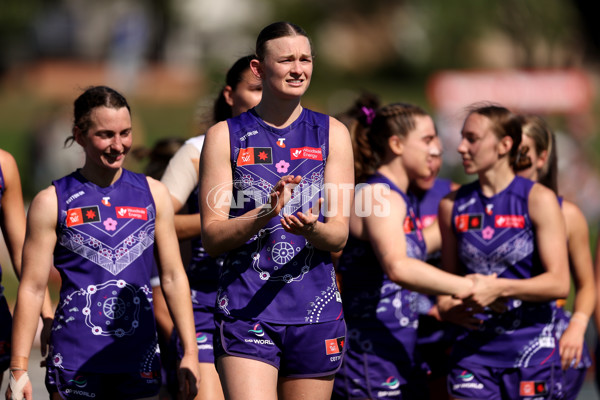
[[169, 58]]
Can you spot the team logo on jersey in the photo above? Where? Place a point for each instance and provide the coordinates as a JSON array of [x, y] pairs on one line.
[[409, 225], [468, 222], [255, 155], [509, 221], [132, 212], [334, 346], [83, 215], [280, 143], [532, 388], [106, 201], [310, 153]]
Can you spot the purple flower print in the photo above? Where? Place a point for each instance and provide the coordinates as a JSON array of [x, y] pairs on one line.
[[487, 233], [282, 166], [110, 224]]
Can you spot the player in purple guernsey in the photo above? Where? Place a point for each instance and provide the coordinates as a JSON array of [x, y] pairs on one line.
[[382, 265], [12, 222], [512, 228], [262, 177], [100, 227], [570, 329]]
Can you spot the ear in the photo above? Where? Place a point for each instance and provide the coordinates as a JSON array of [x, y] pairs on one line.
[[256, 68], [542, 158], [505, 145], [228, 95], [396, 145], [78, 136]]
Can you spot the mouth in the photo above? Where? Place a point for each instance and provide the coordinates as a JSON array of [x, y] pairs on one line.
[[114, 157], [295, 82]]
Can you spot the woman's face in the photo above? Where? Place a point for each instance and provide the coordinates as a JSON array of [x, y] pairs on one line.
[[419, 144], [287, 67], [246, 94], [109, 137], [435, 165], [479, 144]]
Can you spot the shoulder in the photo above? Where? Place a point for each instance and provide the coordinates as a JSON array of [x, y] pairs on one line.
[[157, 188], [45, 203], [7, 163], [574, 217], [338, 131]]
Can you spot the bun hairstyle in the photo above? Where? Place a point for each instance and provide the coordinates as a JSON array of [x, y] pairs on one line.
[[371, 133], [543, 138], [91, 98], [506, 123], [222, 110]]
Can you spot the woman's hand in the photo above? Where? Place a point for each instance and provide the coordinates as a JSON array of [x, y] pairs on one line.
[[282, 193], [454, 310], [485, 293], [302, 224], [571, 343], [188, 377]]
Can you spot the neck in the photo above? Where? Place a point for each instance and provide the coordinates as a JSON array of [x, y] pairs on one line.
[[395, 173], [278, 113], [100, 177], [496, 180]]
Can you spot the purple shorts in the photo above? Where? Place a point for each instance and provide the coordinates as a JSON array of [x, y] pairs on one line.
[[542, 382], [573, 382], [205, 331], [86, 385], [297, 351], [365, 375]]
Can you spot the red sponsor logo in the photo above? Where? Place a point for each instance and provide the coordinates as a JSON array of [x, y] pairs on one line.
[[149, 374], [334, 346], [531, 388], [509, 221], [468, 222], [132, 212], [311, 153], [83, 215], [409, 225], [255, 155]]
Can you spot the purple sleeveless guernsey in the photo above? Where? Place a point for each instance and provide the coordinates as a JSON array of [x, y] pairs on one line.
[[276, 276], [381, 316], [496, 235], [104, 253]]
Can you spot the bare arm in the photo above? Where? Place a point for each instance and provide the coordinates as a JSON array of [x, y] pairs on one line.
[[332, 233], [386, 234], [582, 270], [37, 261], [175, 286], [12, 219]]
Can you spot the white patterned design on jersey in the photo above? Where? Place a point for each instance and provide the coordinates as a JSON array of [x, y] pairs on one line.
[[320, 302], [113, 259], [508, 253]]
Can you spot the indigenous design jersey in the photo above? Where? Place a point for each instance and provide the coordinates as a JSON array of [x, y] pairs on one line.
[[276, 276], [381, 316], [104, 253], [203, 270], [495, 235]]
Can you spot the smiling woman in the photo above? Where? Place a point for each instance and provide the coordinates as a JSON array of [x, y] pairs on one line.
[[277, 299], [99, 226]]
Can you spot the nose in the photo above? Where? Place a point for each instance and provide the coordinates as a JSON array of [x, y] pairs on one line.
[[296, 67], [461, 147], [117, 143]]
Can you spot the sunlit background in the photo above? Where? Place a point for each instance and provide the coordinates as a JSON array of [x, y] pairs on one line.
[[169, 58]]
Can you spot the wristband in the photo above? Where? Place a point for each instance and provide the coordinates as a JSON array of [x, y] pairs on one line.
[[17, 385]]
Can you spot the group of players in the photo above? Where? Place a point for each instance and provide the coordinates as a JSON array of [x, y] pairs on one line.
[[286, 294]]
